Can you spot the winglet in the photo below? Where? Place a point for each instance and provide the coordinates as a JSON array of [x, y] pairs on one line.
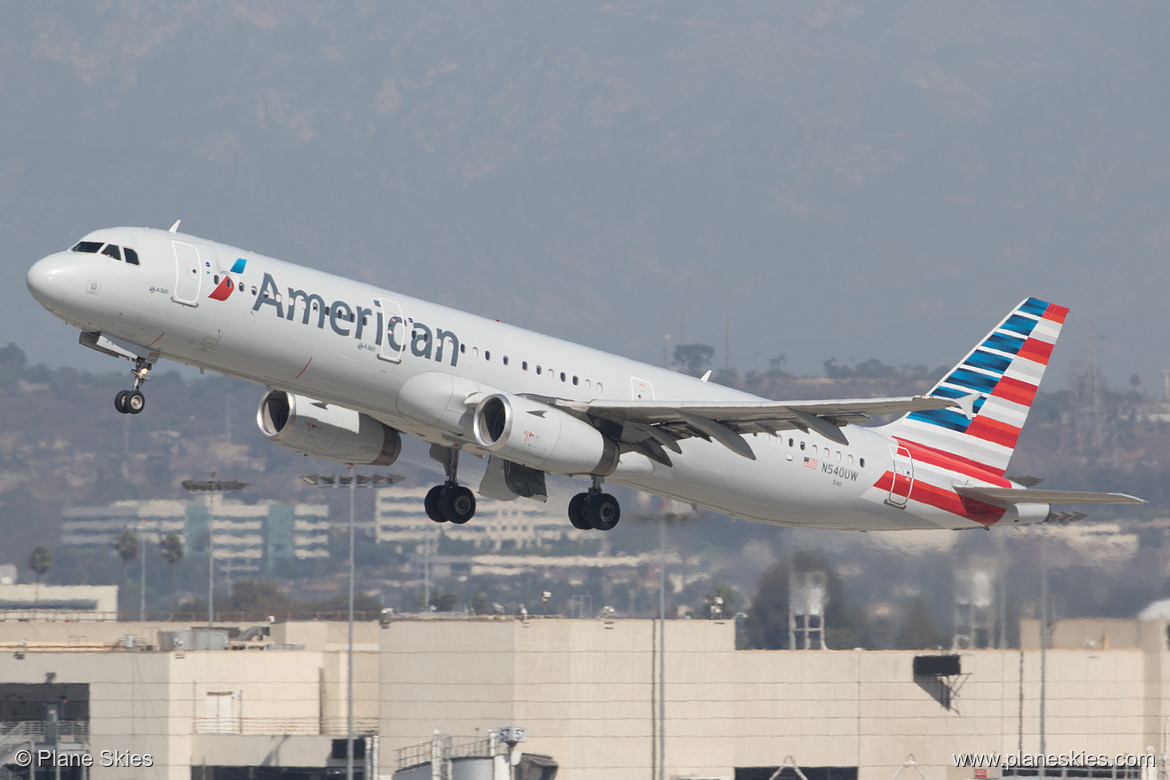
[[175, 227]]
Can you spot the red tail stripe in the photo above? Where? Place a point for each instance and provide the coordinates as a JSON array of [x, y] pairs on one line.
[[1014, 390], [994, 431], [1056, 313], [1034, 349]]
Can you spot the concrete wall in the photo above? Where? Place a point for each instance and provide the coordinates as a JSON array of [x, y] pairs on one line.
[[584, 690]]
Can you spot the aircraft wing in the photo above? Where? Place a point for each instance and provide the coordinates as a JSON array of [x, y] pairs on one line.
[[650, 426], [1009, 496]]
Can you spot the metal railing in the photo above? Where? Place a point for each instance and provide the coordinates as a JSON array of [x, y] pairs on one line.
[[17, 734], [443, 747], [82, 616], [309, 726]]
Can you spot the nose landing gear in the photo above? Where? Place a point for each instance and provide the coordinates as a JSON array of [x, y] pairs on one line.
[[133, 401]]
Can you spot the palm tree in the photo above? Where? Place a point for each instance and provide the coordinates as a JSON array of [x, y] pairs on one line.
[[172, 551], [127, 546], [40, 562]]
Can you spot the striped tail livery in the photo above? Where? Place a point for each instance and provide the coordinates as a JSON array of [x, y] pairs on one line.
[[994, 386], [968, 446]]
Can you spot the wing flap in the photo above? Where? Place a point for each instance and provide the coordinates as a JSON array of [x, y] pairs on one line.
[[726, 423]]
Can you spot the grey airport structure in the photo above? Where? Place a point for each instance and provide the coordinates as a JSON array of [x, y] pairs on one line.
[[596, 698]]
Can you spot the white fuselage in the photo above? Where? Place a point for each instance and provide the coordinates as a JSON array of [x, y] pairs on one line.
[[315, 334]]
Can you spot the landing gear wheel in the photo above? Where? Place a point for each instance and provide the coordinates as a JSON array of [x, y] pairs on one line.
[[134, 401], [433, 504], [120, 401], [602, 511], [458, 504], [577, 512]]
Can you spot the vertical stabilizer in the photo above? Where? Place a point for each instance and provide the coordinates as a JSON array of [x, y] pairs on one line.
[[994, 387]]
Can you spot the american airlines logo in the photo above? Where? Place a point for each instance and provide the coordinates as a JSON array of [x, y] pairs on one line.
[[227, 284], [369, 325]]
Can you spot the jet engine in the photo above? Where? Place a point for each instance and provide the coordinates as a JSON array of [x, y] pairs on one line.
[[542, 437], [326, 431]]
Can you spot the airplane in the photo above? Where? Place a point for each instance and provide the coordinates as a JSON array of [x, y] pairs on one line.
[[349, 368]]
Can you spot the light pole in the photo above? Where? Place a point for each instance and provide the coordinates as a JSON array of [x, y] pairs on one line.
[[353, 482], [211, 488]]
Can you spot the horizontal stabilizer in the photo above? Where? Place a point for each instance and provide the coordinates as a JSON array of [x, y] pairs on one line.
[[1009, 496]]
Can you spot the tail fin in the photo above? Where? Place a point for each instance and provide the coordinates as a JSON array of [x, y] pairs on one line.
[[994, 386]]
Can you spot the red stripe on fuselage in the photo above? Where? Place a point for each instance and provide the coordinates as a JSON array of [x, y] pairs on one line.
[[947, 500], [949, 461]]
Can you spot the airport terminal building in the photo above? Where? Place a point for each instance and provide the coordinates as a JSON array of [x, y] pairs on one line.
[[592, 695]]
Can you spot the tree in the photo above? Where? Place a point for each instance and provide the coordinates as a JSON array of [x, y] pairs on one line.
[[918, 631], [172, 551], [693, 358], [720, 603], [766, 627], [40, 562], [127, 547]]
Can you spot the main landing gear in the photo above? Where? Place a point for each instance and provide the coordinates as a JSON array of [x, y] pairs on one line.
[[594, 509], [449, 502], [133, 401]]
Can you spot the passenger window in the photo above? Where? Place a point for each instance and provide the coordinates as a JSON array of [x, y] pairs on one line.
[[88, 247], [802, 446], [790, 442], [538, 370], [505, 360], [487, 355], [113, 251], [131, 256], [861, 462], [574, 380], [524, 365], [562, 376]]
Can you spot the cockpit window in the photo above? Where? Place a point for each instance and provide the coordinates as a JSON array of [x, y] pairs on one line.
[[131, 256], [89, 247], [113, 251]]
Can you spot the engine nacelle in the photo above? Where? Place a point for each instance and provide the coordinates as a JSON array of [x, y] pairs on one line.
[[542, 437], [326, 431]]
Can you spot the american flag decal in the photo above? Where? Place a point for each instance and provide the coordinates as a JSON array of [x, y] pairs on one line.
[[810, 463]]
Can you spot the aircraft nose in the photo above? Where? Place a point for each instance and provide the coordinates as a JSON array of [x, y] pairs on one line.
[[48, 279]]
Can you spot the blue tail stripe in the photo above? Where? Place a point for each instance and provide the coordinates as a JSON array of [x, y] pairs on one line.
[[1004, 343], [239, 265], [1018, 324], [976, 381], [1034, 306], [995, 363], [942, 391], [946, 418]]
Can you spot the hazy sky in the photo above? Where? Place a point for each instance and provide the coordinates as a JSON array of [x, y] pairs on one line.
[[834, 180]]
